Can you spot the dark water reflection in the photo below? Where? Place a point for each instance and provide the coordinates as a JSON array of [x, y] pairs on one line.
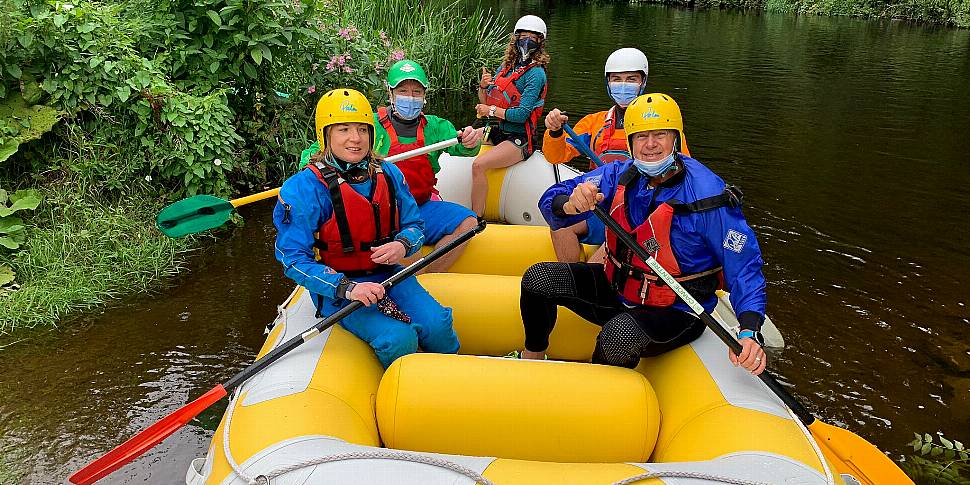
[[849, 139]]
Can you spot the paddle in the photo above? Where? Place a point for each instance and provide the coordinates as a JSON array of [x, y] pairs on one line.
[[847, 452], [203, 212], [145, 440]]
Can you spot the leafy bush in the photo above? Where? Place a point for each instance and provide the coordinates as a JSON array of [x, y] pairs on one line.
[[21, 122], [202, 95], [12, 232], [943, 463]]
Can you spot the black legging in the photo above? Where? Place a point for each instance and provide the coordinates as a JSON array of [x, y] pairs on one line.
[[628, 333]]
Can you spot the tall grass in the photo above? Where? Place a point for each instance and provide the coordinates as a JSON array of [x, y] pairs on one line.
[[84, 251], [450, 40]]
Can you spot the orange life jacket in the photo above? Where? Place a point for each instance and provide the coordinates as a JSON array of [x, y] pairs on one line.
[[417, 170], [606, 143], [627, 273], [504, 94], [347, 248]]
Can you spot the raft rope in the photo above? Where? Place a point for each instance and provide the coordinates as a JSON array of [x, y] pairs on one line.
[[818, 452], [694, 475], [263, 479], [376, 455]]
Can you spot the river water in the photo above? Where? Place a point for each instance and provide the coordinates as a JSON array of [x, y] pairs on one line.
[[849, 139]]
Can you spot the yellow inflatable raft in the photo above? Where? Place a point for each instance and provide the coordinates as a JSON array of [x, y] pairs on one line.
[[327, 413]]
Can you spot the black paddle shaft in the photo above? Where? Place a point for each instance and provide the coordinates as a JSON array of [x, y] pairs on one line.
[[803, 414], [328, 322]]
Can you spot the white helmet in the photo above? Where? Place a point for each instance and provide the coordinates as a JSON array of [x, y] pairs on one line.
[[532, 24], [627, 59]]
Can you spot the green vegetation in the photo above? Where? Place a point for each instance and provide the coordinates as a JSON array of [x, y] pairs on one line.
[[949, 12], [111, 110], [83, 251], [943, 463], [451, 44], [12, 231]]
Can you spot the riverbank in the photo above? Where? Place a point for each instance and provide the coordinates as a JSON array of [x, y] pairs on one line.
[[83, 251], [944, 12]]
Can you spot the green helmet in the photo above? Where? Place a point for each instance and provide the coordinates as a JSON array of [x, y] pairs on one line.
[[403, 70]]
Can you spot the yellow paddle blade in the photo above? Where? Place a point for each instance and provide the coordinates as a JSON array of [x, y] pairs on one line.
[[852, 455]]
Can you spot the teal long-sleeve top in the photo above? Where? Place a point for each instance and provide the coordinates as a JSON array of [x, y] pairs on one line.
[[531, 85]]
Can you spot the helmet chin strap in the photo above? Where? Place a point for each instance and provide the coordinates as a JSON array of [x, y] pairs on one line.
[[354, 172]]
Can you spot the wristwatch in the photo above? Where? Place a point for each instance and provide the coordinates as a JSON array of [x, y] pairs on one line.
[[344, 287], [752, 334], [491, 110]]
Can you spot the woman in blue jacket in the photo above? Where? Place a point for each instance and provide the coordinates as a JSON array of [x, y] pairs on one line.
[[345, 222]]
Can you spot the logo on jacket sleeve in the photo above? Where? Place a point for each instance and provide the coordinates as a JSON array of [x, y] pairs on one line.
[[735, 241]]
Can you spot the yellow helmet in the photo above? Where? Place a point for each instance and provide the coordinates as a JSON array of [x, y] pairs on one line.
[[654, 111], [342, 105]]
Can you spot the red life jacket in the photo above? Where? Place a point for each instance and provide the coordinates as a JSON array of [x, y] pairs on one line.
[[611, 148], [627, 273], [503, 94], [346, 247], [417, 170]]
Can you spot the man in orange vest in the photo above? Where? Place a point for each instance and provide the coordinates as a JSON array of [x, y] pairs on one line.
[[625, 78]]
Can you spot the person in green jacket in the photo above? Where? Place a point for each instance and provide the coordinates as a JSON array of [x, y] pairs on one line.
[[402, 127]]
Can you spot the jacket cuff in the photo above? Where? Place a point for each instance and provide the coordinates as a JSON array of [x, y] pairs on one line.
[[751, 320], [557, 203], [409, 247]]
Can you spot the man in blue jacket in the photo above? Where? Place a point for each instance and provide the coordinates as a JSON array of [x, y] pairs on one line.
[[688, 219]]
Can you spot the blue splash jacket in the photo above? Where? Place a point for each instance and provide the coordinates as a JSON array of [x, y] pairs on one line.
[[304, 205], [700, 240]]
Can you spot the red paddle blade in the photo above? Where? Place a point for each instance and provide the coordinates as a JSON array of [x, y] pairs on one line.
[[144, 441]]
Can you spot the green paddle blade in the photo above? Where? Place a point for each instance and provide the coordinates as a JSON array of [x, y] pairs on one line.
[[193, 215]]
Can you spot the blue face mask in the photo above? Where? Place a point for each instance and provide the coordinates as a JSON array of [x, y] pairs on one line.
[[624, 93], [408, 107], [656, 168], [526, 46]]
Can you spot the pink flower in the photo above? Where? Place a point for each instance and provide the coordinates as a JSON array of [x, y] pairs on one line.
[[348, 70], [385, 40], [397, 55], [348, 33], [311, 89]]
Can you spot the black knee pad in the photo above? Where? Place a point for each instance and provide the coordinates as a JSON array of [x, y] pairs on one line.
[[621, 342], [549, 279]]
